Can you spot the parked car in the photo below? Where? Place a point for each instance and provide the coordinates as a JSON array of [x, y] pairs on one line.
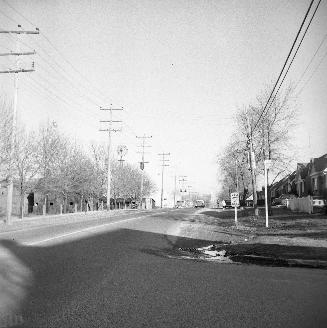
[[180, 204], [226, 203], [199, 203], [319, 204]]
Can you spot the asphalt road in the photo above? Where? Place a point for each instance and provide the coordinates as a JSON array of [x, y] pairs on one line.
[[113, 272]]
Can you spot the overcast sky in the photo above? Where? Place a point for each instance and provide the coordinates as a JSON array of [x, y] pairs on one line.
[[180, 69]]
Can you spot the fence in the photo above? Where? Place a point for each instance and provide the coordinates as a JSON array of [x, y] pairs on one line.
[[303, 204]]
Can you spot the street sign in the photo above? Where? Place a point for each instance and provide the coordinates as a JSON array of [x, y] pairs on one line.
[[234, 198]]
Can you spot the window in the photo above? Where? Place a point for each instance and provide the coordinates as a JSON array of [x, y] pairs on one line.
[[314, 184]]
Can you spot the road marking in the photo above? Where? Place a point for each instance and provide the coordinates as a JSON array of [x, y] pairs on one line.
[[89, 228]]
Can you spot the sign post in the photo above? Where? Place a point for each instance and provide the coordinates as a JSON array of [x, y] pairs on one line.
[[235, 201], [267, 163]]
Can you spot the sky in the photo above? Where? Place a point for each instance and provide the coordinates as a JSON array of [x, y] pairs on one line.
[[180, 70]]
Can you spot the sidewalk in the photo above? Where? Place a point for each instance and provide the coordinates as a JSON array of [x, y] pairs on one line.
[[43, 220], [291, 239]]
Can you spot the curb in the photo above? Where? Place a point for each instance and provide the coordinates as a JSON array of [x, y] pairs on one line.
[[27, 223], [273, 261]]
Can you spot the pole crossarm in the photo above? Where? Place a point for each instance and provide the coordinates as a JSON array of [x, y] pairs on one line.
[[110, 130], [12, 53], [37, 31], [163, 160], [109, 121], [142, 162], [22, 70], [102, 108], [16, 70]]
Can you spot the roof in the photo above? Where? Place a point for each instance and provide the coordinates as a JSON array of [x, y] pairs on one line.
[[320, 163], [250, 197], [303, 169]]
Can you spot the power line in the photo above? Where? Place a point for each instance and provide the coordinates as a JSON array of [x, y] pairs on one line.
[[109, 130], [66, 60], [55, 97], [18, 12], [313, 73], [297, 49], [59, 52], [16, 70], [144, 137], [61, 98], [62, 73], [311, 60], [163, 160], [285, 63], [11, 19]]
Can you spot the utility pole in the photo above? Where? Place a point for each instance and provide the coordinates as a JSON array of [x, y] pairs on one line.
[[189, 192], [163, 160], [109, 130], [175, 178], [143, 145], [252, 168], [182, 180], [16, 70]]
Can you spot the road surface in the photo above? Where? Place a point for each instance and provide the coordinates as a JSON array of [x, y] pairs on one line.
[[113, 272]]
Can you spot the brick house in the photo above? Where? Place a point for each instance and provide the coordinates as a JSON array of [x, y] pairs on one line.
[[287, 185], [317, 176], [301, 179]]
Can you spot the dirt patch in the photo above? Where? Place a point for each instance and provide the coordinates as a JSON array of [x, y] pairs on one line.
[[259, 254], [283, 224]]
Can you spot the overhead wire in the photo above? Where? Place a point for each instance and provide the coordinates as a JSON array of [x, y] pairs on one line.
[[59, 52], [311, 61], [312, 74], [63, 70], [56, 71], [297, 49], [285, 63]]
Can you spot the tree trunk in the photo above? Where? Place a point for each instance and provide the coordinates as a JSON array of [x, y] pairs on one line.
[[82, 203], [65, 204], [22, 204]]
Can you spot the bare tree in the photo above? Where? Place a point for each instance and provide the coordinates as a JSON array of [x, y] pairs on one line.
[[5, 135], [233, 164], [51, 148], [126, 182], [26, 163], [265, 135]]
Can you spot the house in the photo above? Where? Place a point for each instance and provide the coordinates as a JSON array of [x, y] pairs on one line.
[[148, 203], [318, 178], [301, 179], [260, 199], [308, 179], [284, 186]]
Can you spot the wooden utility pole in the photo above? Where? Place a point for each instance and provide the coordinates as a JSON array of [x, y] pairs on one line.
[[163, 160], [182, 180], [175, 178], [109, 130], [143, 145], [16, 70], [252, 168]]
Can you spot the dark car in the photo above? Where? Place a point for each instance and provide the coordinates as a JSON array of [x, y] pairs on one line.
[[199, 203], [226, 203]]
